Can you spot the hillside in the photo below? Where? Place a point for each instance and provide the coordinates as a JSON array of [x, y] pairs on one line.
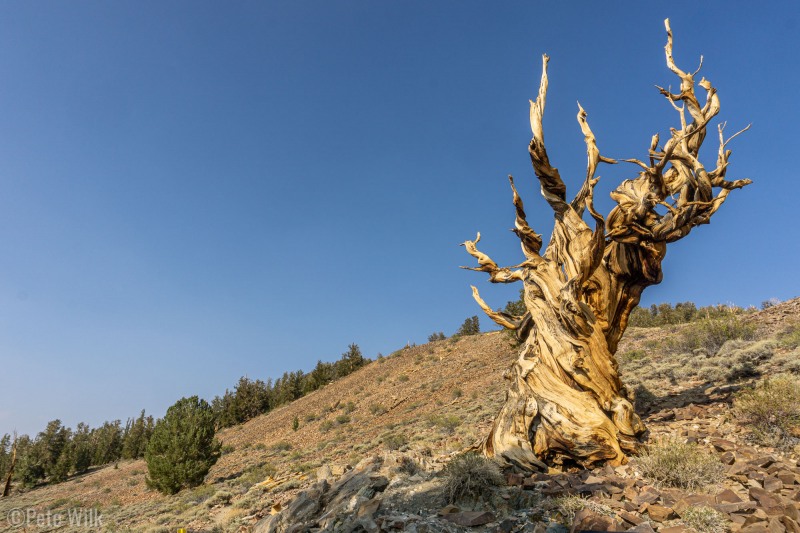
[[420, 404]]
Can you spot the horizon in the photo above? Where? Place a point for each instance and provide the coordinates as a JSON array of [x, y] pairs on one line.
[[191, 193]]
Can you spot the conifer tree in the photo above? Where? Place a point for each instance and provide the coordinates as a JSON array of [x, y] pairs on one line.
[[182, 448]]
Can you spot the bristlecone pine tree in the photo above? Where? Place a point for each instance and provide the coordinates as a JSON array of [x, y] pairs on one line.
[[566, 402]]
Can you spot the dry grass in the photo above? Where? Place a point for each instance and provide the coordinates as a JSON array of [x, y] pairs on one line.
[[771, 411], [675, 464], [705, 520], [470, 476]]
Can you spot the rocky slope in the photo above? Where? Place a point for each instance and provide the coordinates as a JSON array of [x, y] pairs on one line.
[[399, 420]]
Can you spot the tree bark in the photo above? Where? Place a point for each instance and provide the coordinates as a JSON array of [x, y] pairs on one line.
[[566, 402]]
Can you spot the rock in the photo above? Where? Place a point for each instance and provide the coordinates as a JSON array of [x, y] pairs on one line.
[[324, 472], [727, 496], [470, 518], [631, 517], [660, 513], [514, 479], [593, 480], [775, 526], [450, 509], [762, 462], [727, 458], [772, 484], [764, 497], [674, 529], [760, 527], [690, 501], [723, 445], [301, 509], [790, 524], [507, 526], [647, 495], [369, 508], [792, 512], [588, 520], [644, 527]]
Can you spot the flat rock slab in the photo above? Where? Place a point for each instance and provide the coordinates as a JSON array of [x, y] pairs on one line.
[[470, 518]]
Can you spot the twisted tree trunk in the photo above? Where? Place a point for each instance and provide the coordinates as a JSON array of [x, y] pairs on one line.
[[566, 401]]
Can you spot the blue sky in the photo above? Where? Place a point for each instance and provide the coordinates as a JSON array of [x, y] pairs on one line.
[[195, 191]]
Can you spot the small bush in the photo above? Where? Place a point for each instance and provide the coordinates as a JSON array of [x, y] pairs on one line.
[[222, 497], [447, 423], [675, 464], [326, 426], [705, 520], [282, 446], [342, 419], [790, 337], [437, 336], [470, 476], [377, 409], [711, 334], [457, 393], [568, 507], [394, 441], [402, 378], [771, 411]]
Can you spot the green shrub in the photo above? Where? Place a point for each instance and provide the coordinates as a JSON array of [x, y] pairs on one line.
[[470, 476], [790, 337], [710, 334], [394, 441], [222, 497], [447, 423], [182, 448], [771, 411], [342, 419], [705, 520], [675, 464], [377, 409], [282, 446]]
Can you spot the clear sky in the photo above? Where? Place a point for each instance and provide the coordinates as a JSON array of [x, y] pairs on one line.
[[195, 191]]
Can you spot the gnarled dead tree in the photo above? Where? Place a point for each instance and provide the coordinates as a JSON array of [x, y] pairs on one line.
[[566, 400]]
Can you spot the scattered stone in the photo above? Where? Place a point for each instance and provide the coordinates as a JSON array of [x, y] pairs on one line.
[[723, 445], [647, 495], [514, 480], [727, 458], [764, 497], [508, 525], [772, 484], [470, 518], [660, 513], [588, 520], [450, 509], [644, 527], [727, 496]]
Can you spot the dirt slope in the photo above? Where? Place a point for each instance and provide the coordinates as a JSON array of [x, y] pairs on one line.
[[432, 400]]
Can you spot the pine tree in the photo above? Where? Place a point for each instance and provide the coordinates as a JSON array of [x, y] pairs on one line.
[[182, 448]]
